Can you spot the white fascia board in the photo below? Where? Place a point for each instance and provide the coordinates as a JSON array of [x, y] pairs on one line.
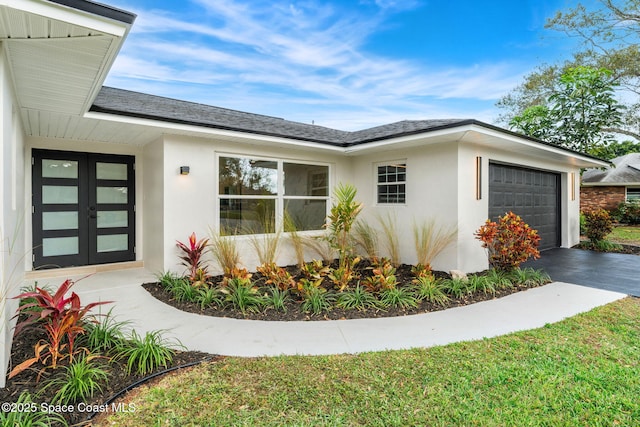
[[413, 138], [201, 131], [584, 160], [69, 15]]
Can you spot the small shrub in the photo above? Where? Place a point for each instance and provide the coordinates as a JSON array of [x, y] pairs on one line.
[[398, 297], [78, 382], [145, 354], [456, 287], [63, 319], [510, 241], [242, 295], [606, 246], [383, 278], [277, 276], [529, 277], [184, 291], [357, 298], [192, 259], [344, 274], [208, 297], [500, 279], [277, 299], [316, 299], [430, 289], [104, 335], [598, 225], [479, 283], [225, 251], [315, 270], [29, 414], [629, 212]]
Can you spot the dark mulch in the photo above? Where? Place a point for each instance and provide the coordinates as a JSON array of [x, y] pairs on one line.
[[293, 307], [118, 379], [621, 249]]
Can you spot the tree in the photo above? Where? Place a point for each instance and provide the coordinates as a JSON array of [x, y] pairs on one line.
[[576, 115], [617, 149], [610, 37]]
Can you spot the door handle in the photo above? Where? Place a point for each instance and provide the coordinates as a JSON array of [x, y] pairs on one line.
[[92, 212]]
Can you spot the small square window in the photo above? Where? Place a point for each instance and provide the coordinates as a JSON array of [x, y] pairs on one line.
[[633, 194], [391, 185]]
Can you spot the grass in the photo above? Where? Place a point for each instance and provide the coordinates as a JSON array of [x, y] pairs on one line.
[[581, 371], [628, 235]]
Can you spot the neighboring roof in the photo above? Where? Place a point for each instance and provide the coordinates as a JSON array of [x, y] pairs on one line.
[[626, 170], [140, 105], [99, 9]]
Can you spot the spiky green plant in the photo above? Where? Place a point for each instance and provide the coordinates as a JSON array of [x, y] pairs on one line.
[[399, 297], [104, 333], [456, 287], [208, 297], [500, 278], [357, 298], [277, 299], [145, 354], [428, 288], [243, 295], [480, 283], [78, 382], [30, 414], [529, 277]]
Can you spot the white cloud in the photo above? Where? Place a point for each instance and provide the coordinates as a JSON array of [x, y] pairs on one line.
[[292, 55]]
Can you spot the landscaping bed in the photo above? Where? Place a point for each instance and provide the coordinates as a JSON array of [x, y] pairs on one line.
[[616, 248], [118, 378], [478, 287]]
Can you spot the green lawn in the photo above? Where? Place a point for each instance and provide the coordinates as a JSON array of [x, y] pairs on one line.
[[629, 235], [582, 371]]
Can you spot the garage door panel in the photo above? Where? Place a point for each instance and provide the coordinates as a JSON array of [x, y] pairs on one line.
[[530, 193]]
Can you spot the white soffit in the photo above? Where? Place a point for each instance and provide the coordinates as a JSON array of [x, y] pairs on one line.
[[58, 57]]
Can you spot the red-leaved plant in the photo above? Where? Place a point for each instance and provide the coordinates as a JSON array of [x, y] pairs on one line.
[[192, 259], [510, 241], [61, 317]]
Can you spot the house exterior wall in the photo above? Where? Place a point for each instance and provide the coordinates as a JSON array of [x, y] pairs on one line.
[[601, 197], [12, 212], [432, 182], [190, 203]]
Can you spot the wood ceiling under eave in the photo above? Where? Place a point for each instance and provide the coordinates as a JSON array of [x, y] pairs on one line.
[[57, 69]]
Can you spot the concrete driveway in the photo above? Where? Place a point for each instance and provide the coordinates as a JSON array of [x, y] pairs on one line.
[[612, 272]]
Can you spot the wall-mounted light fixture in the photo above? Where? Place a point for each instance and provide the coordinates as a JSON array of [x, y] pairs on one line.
[[184, 170], [478, 178], [573, 186]]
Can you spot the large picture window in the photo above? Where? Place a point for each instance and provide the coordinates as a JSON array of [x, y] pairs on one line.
[[391, 183], [255, 195]]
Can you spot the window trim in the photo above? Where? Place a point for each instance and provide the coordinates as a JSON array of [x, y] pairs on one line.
[[636, 190], [280, 197], [377, 184]]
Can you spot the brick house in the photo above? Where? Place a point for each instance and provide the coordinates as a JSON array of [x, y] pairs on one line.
[[607, 188]]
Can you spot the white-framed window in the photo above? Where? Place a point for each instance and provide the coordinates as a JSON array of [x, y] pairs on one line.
[[633, 194], [255, 193], [391, 182]]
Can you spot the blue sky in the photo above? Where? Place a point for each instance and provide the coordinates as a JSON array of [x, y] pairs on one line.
[[342, 64]]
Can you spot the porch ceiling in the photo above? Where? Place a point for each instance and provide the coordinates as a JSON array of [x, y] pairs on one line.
[[58, 57]]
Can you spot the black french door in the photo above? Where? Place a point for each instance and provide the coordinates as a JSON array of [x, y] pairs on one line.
[[83, 208]]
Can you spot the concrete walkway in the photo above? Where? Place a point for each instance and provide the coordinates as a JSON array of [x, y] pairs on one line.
[[521, 311]]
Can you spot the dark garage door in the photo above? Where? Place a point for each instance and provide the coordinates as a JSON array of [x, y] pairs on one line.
[[532, 194]]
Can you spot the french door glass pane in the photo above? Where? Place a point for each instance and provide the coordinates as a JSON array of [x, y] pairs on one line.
[[110, 219], [111, 171], [59, 194], [59, 168], [113, 242], [59, 220], [57, 246], [111, 194]]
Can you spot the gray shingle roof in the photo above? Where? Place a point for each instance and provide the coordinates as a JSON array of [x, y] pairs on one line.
[[135, 104], [626, 170], [99, 9]]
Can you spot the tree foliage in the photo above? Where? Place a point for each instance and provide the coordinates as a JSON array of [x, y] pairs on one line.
[[577, 113], [610, 36]]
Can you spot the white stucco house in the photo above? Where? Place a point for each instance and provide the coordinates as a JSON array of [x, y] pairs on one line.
[[96, 175]]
